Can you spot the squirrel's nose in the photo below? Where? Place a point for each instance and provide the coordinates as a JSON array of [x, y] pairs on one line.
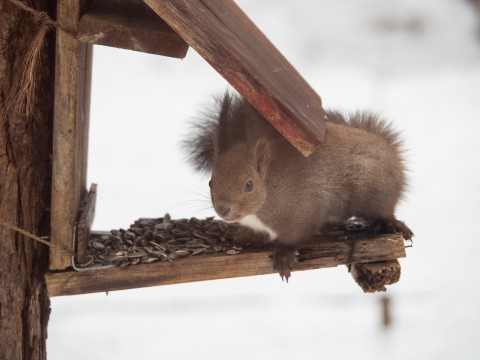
[[223, 207], [223, 210]]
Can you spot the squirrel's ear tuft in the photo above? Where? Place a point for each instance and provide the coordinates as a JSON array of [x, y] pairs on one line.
[[201, 141], [223, 119], [261, 156], [231, 122]]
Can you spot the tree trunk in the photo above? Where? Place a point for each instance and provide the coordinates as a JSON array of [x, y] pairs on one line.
[[25, 182]]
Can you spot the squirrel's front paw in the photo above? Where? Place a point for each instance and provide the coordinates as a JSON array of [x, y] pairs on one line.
[[284, 260]]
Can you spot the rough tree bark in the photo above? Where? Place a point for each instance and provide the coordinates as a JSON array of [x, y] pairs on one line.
[[25, 181]]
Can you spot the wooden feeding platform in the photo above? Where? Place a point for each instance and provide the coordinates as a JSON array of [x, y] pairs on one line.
[[228, 40], [162, 251]]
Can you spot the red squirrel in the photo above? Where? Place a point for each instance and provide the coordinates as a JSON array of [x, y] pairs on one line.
[[260, 180]]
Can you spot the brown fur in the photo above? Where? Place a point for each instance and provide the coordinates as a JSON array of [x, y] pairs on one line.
[[357, 171]]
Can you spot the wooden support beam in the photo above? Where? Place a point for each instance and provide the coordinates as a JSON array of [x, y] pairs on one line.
[[85, 223], [373, 277], [70, 141], [222, 34], [327, 253], [129, 25]]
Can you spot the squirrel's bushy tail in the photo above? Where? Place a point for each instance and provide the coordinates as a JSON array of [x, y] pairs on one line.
[[367, 121]]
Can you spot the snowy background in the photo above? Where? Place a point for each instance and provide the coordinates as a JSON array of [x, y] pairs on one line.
[[417, 63]]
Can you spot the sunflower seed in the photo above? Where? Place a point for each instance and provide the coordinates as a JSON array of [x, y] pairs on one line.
[[199, 251], [134, 261], [135, 255], [182, 253], [172, 256], [199, 235], [158, 246], [149, 260], [167, 219], [215, 233]]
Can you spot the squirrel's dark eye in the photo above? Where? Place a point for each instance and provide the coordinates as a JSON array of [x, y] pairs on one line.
[[210, 183], [249, 186]]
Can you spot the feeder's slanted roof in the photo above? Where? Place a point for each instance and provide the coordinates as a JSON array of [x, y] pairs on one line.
[[224, 36]]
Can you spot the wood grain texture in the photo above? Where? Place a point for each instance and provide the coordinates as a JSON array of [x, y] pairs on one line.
[[328, 253], [373, 277], [225, 37], [25, 172], [85, 223], [129, 25], [72, 99]]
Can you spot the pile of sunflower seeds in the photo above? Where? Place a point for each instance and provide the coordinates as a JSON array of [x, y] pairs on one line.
[[162, 239]]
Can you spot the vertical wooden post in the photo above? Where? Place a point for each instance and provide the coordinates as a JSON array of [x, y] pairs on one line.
[[25, 143], [386, 316], [70, 132]]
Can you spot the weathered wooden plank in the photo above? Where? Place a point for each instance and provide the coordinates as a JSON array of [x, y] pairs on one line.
[[83, 109], [129, 25], [72, 93], [222, 34], [373, 277], [324, 254], [85, 223]]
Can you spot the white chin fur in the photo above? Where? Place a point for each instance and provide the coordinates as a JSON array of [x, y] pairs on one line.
[[256, 224]]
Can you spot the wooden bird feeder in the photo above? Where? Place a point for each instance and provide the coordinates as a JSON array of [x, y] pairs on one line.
[[223, 35]]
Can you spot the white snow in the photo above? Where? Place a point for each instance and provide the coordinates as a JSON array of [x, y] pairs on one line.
[[417, 63]]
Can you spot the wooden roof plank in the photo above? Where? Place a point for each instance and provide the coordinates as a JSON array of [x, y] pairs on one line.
[[129, 25], [225, 37]]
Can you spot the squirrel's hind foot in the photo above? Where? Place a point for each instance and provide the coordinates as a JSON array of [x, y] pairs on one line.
[[392, 226], [284, 260]]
